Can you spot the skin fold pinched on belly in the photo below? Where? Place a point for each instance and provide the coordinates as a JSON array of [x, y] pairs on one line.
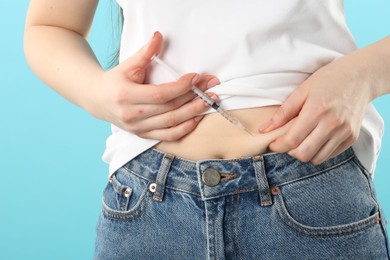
[[216, 138]]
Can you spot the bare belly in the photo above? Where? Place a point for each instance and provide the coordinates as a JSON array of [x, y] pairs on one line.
[[216, 138]]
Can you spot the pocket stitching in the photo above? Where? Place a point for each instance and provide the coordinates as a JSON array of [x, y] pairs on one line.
[[332, 231], [316, 173], [361, 167], [136, 174], [130, 214]]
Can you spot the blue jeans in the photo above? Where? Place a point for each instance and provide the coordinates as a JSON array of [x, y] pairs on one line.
[[269, 206]]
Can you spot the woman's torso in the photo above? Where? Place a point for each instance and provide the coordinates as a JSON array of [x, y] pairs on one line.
[[260, 50], [216, 138], [241, 47]]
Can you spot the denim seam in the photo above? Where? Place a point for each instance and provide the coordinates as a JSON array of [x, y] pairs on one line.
[[182, 190], [211, 228], [315, 173], [178, 157], [117, 185], [361, 166], [268, 201], [368, 176], [126, 218], [167, 186], [231, 193], [383, 227], [319, 229], [162, 177], [245, 190], [122, 202], [296, 226], [231, 220], [129, 215], [262, 181], [237, 236], [138, 175], [324, 235], [215, 231]]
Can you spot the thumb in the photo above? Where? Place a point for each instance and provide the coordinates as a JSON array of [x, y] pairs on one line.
[[141, 59], [287, 111]]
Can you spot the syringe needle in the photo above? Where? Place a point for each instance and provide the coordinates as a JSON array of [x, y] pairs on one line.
[[246, 130], [231, 118], [205, 98]]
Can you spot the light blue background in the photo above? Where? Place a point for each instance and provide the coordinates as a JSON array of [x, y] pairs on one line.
[[51, 173]]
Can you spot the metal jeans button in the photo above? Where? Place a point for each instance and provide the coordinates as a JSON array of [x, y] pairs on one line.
[[211, 177]]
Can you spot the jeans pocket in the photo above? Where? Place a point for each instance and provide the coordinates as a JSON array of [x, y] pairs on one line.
[[336, 202], [125, 196]]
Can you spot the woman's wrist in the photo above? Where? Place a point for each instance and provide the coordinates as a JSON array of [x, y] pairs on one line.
[[91, 98]]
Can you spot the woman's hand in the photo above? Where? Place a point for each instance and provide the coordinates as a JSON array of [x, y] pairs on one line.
[[164, 112], [328, 109]]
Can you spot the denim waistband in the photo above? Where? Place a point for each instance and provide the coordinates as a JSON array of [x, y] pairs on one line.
[[258, 172]]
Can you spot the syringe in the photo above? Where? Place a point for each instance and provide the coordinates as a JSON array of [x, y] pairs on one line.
[[204, 97]]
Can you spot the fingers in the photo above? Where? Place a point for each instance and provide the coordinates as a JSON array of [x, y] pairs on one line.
[[287, 111], [135, 65], [172, 118], [164, 93], [304, 124], [164, 111], [132, 93], [322, 137], [147, 110], [344, 146], [160, 94], [173, 133], [326, 140], [333, 148]]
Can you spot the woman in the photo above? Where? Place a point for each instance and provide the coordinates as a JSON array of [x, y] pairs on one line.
[[189, 186]]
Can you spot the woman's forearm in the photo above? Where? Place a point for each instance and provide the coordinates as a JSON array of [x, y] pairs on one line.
[[372, 65], [64, 60]]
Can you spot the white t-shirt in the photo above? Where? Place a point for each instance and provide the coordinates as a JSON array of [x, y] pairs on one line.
[[260, 51]]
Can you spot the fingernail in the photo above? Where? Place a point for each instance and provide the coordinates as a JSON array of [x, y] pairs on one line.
[[153, 36], [213, 96], [213, 82], [195, 79], [291, 153], [198, 118], [265, 126]]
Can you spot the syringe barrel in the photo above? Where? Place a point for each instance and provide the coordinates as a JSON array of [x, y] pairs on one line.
[[203, 96]]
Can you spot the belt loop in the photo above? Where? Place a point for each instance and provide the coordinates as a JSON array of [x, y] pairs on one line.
[[162, 177], [262, 181]]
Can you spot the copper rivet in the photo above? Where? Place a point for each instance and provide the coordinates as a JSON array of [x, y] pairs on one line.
[[153, 187], [127, 192], [378, 220], [110, 180], [275, 191]]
